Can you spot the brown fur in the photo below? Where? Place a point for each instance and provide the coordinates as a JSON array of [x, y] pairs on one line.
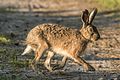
[[65, 41]]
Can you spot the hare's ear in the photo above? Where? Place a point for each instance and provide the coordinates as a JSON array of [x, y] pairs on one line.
[[85, 17], [92, 15]]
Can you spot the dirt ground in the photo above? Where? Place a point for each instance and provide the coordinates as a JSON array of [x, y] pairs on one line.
[[104, 54]]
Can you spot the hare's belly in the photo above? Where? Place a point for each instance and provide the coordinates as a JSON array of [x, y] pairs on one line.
[[61, 52]]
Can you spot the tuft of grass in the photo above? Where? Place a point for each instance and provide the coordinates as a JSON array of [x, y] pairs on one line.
[[109, 4], [4, 39]]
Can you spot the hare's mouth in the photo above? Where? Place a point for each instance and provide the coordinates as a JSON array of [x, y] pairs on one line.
[[94, 39], [98, 37]]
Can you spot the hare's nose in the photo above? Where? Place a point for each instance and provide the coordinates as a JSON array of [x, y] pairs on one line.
[[98, 37]]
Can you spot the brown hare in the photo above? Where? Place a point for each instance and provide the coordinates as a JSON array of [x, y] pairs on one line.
[[69, 42]]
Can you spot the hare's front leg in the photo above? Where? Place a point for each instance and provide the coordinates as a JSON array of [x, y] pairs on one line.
[[86, 66], [62, 63], [48, 61]]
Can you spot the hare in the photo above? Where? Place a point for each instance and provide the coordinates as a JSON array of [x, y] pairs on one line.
[[58, 39]]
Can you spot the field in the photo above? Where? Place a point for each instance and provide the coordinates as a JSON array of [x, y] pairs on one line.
[[17, 18]]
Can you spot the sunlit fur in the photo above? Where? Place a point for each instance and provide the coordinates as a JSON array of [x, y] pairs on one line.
[[62, 40]]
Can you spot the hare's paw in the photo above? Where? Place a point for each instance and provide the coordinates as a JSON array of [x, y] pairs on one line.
[[90, 68], [60, 66], [33, 66], [48, 67]]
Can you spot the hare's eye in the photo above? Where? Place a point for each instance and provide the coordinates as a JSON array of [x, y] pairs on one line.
[[90, 30]]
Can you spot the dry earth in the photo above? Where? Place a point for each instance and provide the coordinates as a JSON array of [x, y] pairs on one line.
[[104, 54]]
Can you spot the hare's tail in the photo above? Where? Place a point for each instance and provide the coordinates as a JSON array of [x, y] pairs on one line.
[[27, 50]]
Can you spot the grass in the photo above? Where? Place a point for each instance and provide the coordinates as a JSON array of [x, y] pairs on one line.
[[109, 4], [4, 39], [6, 10], [105, 4]]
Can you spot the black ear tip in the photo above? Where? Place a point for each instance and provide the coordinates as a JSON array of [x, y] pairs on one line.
[[85, 11]]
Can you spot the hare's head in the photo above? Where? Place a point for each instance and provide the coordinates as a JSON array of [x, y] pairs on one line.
[[88, 30]]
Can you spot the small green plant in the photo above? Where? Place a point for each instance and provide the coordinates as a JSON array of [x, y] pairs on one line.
[[4, 39]]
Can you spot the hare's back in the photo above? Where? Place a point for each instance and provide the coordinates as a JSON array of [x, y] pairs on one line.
[[60, 35], [56, 31], [53, 32]]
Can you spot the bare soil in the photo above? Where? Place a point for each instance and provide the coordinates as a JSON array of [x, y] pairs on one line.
[[104, 54]]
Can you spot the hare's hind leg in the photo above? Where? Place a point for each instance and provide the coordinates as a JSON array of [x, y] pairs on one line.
[[48, 60], [86, 66], [42, 46]]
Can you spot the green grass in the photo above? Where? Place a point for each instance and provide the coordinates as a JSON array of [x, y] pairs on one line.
[[109, 4], [6, 10], [4, 39]]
